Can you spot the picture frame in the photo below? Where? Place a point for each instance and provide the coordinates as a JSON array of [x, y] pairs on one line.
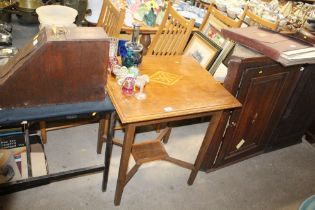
[[202, 49], [212, 29]]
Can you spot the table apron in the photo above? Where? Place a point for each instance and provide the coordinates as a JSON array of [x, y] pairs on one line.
[[171, 119]]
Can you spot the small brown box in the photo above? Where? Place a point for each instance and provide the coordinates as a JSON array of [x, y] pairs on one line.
[[67, 66]]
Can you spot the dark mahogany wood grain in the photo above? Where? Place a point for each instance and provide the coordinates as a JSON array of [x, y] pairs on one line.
[[56, 71], [277, 108], [299, 113]]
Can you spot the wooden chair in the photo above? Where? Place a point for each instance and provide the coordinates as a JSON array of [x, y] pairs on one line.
[[229, 22], [259, 20], [201, 4], [172, 35], [111, 18]]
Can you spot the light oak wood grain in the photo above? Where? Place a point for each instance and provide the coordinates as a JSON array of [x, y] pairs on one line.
[[173, 34], [195, 92]]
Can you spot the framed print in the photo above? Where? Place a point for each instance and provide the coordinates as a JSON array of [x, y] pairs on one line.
[[226, 50], [213, 30], [202, 49]]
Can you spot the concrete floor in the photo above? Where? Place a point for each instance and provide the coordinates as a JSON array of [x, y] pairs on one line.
[[278, 180]]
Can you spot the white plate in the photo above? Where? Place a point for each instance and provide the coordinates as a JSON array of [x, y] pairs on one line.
[[189, 15]]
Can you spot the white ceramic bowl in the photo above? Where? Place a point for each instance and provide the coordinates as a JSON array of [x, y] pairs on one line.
[[269, 18], [221, 5], [56, 15], [233, 12]]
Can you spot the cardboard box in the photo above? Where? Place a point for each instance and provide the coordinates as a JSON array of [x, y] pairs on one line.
[[14, 146]]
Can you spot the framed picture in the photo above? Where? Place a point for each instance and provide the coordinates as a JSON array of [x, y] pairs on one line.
[[202, 49], [212, 29], [221, 59]]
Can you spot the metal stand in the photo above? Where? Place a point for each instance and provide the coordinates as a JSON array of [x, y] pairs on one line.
[[31, 181]]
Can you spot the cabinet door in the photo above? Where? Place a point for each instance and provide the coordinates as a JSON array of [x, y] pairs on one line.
[[263, 91], [299, 113]]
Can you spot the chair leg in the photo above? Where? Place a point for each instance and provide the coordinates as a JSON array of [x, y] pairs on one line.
[[43, 132], [102, 133]]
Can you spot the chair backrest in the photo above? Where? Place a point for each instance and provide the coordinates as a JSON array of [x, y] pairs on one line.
[[229, 22], [201, 4], [172, 35], [111, 18], [260, 21]]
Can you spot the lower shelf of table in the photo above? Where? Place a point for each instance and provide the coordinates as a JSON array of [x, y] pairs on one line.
[[154, 150], [148, 151]]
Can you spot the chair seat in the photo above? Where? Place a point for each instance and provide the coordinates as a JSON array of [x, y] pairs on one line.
[[11, 116]]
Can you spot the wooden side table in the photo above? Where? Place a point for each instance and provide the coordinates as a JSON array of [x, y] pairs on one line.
[[179, 89]]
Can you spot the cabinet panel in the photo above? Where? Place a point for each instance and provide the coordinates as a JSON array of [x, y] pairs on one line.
[[310, 135], [261, 94], [299, 113]]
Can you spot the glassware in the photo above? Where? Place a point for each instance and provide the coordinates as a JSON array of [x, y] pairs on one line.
[[112, 63], [140, 82], [120, 73], [113, 46], [150, 18], [129, 59], [128, 85], [134, 49]]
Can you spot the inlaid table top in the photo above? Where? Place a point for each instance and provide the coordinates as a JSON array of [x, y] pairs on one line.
[[178, 86]]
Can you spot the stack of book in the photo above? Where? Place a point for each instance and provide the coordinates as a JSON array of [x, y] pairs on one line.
[[286, 50]]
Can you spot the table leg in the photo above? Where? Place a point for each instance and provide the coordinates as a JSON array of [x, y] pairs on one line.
[[102, 133], [43, 133], [213, 124], [124, 160], [108, 151], [145, 40]]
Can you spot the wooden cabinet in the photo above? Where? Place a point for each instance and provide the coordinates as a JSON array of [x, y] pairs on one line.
[[273, 98], [310, 134]]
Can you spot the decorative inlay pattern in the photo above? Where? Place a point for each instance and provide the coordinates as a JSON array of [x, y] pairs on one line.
[[165, 78]]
